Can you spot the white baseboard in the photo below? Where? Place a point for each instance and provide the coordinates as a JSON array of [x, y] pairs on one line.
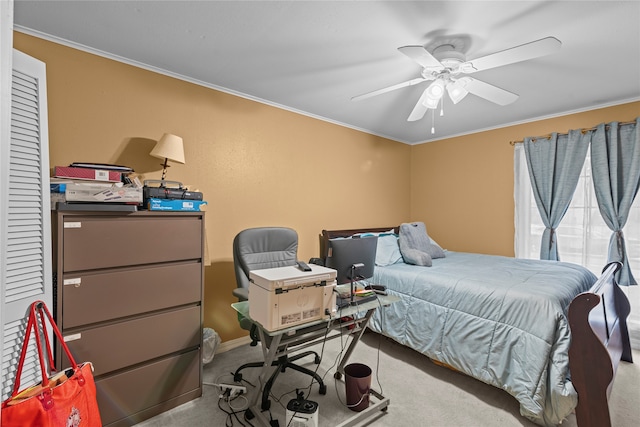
[[230, 345]]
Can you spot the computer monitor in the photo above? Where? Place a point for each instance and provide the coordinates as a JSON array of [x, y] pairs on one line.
[[344, 254]]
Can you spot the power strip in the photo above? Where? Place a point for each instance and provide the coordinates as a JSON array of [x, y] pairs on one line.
[[230, 390]]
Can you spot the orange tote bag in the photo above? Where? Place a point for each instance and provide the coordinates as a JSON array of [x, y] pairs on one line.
[[64, 399]]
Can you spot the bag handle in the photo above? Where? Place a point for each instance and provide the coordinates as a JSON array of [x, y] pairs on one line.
[[39, 309]]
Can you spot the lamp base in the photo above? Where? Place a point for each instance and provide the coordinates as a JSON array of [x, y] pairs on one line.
[[164, 171]]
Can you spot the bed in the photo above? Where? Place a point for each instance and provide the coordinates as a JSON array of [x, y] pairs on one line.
[[546, 332]]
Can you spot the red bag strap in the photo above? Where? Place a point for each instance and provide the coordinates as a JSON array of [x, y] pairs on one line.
[[23, 352], [39, 309]]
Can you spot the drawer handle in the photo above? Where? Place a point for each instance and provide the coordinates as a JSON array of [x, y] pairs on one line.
[[75, 281], [72, 337], [74, 224]]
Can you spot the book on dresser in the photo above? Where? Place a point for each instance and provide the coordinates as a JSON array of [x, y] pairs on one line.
[[84, 173], [102, 166]]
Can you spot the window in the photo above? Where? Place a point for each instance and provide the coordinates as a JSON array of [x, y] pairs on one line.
[[583, 236]]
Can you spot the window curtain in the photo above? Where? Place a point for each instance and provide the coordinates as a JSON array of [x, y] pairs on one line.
[[522, 201], [554, 165], [615, 162]]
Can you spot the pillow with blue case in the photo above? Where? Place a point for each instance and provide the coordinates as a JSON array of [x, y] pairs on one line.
[[387, 250]]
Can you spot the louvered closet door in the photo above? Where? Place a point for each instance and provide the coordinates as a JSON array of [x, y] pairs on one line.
[[26, 216]]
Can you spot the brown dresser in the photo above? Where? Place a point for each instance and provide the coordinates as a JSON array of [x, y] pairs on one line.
[[128, 298]]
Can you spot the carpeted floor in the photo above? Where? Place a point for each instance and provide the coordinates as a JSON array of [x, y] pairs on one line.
[[421, 393]]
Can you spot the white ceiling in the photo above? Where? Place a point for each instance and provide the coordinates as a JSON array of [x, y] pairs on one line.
[[313, 56]]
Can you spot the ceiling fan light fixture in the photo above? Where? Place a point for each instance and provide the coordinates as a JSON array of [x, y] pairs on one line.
[[434, 93], [436, 89], [431, 103], [457, 91]]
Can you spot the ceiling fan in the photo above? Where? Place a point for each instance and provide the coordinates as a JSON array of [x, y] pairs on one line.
[[447, 67]]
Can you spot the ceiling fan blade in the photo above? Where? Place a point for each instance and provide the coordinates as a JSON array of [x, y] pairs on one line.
[[490, 92], [388, 89], [420, 55], [418, 111], [520, 53]]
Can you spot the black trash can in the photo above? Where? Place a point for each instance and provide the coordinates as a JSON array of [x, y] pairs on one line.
[[357, 379]]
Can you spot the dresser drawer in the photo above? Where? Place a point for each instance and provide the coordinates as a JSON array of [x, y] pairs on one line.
[[95, 297], [118, 345], [151, 388], [93, 242]]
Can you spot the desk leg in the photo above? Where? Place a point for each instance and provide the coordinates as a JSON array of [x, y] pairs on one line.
[[354, 341], [378, 404], [270, 356]]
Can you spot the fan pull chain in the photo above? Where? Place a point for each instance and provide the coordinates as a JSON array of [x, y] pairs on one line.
[[433, 122]]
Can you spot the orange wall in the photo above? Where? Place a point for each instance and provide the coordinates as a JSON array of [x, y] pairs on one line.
[[257, 165], [462, 188]]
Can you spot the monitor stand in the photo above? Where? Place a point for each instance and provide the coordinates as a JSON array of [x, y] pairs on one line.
[[342, 302], [352, 299]]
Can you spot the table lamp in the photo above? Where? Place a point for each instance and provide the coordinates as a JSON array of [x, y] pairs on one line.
[[169, 147]]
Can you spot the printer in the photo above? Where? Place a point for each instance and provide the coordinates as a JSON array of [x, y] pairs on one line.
[[283, 297]]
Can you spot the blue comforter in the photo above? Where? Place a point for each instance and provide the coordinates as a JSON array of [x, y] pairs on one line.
[[500, 320]]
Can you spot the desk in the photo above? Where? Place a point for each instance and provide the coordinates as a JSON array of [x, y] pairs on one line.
[[286, 340]]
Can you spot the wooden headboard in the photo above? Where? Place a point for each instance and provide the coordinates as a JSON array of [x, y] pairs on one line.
[[599, 340], [332, 234]]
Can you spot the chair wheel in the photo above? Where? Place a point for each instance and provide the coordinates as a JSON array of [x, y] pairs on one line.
[[337, 375], [323, 389], [237, 377], [248, 414], [317, 360]]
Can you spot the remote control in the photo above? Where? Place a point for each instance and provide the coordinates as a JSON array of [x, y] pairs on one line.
[[303, 266]]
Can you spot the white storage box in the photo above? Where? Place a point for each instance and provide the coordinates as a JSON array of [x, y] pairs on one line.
[[76, 192], [286, 296]]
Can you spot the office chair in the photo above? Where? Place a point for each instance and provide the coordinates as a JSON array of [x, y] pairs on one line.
[[255, 249]]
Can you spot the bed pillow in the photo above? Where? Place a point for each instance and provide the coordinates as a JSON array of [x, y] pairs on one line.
[[416, 246], [438, 252], [433, 249], [387, 250]]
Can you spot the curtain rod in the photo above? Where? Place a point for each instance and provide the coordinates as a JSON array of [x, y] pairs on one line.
[[581, 130]]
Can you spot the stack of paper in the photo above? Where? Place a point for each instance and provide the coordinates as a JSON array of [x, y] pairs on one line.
[[93, 183]]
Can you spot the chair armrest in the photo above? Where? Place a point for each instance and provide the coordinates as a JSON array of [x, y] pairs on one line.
[[241, 293]]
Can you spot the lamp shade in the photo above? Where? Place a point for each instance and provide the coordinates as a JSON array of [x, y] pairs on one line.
[[169, 147]]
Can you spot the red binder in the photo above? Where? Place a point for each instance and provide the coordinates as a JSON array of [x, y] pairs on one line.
[[86, 173]]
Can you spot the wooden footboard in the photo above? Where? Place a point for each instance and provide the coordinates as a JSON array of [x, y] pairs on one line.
[[599, 340]]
